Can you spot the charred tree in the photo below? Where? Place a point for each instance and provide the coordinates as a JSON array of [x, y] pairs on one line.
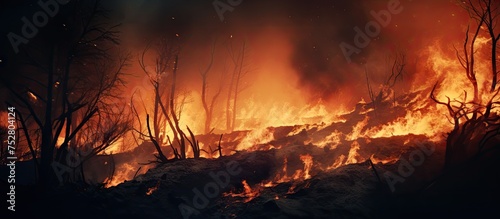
[[66, 81], [160, 156], [240, 70], [168, 101], [3, 135], [397, 70], [166, 52], [487, 12], [476, 124], [208, 107]]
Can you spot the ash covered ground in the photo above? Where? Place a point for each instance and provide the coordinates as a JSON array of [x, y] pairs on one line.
[[296, 174]]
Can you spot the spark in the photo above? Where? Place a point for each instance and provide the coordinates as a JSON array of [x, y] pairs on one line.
[[33, 96], [153, 189]]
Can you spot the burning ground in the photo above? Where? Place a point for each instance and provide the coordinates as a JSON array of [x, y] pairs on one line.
[[305, 171], [251, 109]]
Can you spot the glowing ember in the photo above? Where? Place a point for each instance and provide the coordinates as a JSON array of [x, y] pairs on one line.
[[353, 153], [357, 129], [123, 172], [299, 174], [255, 137], [279, 178], [284, 177], [332, 140], [32, 96], [337, 163], [291, 190], [383, 161], [248, 193], [153, 189], [414, 122], [308, 162]]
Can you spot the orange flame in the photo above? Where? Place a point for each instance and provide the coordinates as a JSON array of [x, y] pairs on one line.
[[308, 162], [383, 161], [337, 163], [353, 155], [255, 137], [153, 189], [248, 193], [123, 172]]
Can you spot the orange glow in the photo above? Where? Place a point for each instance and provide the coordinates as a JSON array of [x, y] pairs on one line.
[[248, 193], [153, 189], [332, 140], [353, 156], [357, 129], [383, 161], [298, 175], [308, 162], [273, 97], [255, 137], [415, 122], [32, 96], [337, 163], [122, 172]]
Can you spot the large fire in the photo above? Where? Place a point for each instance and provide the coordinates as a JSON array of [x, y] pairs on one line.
[[420, 116], [256, 105], [272, 97]]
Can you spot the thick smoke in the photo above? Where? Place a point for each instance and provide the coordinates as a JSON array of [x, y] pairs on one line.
[[324, 68], [314, 29]]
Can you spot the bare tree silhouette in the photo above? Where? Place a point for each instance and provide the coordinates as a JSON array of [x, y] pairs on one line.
[[476, 123], [67, 80]]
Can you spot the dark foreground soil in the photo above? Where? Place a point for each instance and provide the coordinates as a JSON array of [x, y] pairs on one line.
[[350, 191]]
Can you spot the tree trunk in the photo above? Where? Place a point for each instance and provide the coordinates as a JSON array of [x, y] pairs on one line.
[[182, 145], [47, 147], [493, 64], [237, 86], [228, 104]]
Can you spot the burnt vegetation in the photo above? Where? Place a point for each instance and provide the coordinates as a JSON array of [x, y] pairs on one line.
[[68, 92], [476, 123], [66, 89]]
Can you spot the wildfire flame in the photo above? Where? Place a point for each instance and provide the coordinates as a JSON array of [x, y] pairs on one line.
[[337, 163], [418, 115], [332, 140], [308, 162], [353, 153], [255, 137], [383, 161], [153, 189], [123, 172], [248, 193]]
